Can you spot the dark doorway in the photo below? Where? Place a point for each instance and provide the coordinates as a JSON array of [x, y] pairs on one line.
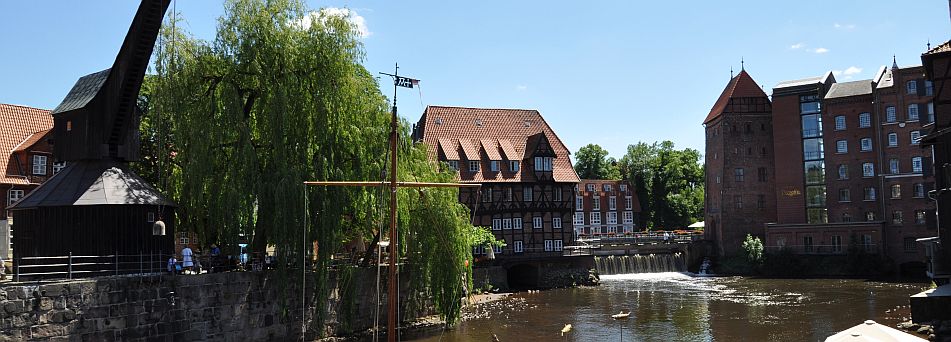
[[523, 277]]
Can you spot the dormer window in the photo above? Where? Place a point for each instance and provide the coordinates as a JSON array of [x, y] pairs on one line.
[[58, 166], [454, 164], [473, 166], [543, 163], [494, 165], [623, 187], [39, 165], [608, 187], [513, 165], [589, 187]]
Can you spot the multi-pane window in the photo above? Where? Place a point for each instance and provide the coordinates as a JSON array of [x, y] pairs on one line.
[[846, 217], [919, 190], [896, 191], [595, 219], [543, 163], [39, 165], [738, 174], [454, 164], [517, 223], [556, 222], [843, 171], [915, 137], [807, 244], [844, 195], [549, 245], [868, 170], [870, 216], [513, 166], [897, 217], [596, 203], [628, 217], [839, 122], [870, 193], [916, 165], [865, 120], [14, 196], [473, 166], [866, 144], [519, 247], [58, 166], [628, 202], [537, 222], [578, 219], [841, 146], [608, 187], [527, 194], [911, 87], [892, 139], [506, 223], [183, 238], [558, 194], [589, 187], [929, 88], [558, 245], [761, 174], [508, 194], [760, 201], [893, 166], [612, 203], [913, 112], [930, 111], [623, 187], [494, 165], [496, 224], [890, 114], [738, 201], [487, 195], [579, 203], [920, 217], [837, 242]]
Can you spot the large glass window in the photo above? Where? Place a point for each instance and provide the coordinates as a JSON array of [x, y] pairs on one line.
[[815, 172], [812, 149], [890, 114], [817, 215], [911, 87], [913, 112], [916, 166], [811, 126], [816, 195]]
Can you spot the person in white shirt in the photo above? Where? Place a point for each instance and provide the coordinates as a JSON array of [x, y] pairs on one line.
[[187, 263]]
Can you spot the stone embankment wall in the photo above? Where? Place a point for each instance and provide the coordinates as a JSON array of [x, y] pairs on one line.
[[234, 306]]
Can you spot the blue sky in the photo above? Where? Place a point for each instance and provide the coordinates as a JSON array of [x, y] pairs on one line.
[[611, 73]]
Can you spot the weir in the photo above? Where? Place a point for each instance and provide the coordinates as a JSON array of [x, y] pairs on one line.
[[640, 263]]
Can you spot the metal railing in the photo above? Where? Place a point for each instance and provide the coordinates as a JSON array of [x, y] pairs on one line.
[[82, 266], [638, 238]]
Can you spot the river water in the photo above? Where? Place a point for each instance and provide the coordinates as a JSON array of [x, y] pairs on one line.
[[678, 307]]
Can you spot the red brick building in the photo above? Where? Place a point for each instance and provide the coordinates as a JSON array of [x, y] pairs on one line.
[[852, 170], [528, 183], [26, 159], [739, 185], [605, 207]]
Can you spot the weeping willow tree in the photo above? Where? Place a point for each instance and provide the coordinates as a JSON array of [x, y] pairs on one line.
[[237, 124]]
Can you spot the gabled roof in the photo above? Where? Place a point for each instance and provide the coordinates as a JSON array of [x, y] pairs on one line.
[[740, 86], [846, 89], [93, 183], [32, 140], [17, 125], [83, 91], [503, 130], [448, 147]]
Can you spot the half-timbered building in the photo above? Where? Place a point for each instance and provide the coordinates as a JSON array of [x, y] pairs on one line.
[[527, 193]]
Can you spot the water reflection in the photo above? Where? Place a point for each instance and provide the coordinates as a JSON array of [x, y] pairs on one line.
[[679, 307]]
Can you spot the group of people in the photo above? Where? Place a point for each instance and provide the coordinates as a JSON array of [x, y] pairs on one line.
[[189, 264]]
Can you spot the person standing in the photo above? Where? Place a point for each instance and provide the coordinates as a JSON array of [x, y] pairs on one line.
[[187, 262]]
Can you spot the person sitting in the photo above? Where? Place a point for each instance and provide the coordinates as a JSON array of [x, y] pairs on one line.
[[171, 264]]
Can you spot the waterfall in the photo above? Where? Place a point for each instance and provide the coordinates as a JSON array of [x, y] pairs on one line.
[[640, 263]]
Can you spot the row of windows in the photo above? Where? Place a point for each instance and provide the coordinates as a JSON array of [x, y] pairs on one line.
[[898, 217], [911, 87], [607, 229], [734, 128], [868, 169], [494, 165], [596, 203], [607, 187], [835, 240], [738, 201], [865, 144], [40, 164], [739, 175], [519, 247], [595, 218], [528, 195], [918, 191], [516, 223]]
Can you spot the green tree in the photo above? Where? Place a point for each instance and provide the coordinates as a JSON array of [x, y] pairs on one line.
[[669, 183], [593, 163], [235, 126], [754, 250]]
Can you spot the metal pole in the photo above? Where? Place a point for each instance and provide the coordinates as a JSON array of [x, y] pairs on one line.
[[69, 263], [392, 297], [140, 262], [117, 262]]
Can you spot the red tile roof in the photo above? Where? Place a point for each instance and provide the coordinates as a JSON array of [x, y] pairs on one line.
[[18, 124], [476, 129], [741, 85]]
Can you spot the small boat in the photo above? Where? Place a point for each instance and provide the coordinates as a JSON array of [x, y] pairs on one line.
[[621, 315]]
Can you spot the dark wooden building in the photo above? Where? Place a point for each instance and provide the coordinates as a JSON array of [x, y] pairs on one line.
[[528, 183], [937, 65], [96, 205]]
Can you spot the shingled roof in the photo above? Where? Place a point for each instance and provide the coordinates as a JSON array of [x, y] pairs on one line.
[[487, 134], [83, 91], [740, 86], [93, 183], [19, 124], [846, 89]]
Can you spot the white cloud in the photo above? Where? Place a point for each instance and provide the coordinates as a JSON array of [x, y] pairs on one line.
[[844, 26], [820, 50], [521, 87], [847, 74], [359, 23], [797, 46], [852, 70]]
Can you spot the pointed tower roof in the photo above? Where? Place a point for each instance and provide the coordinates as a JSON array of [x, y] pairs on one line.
[[740, 86]]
